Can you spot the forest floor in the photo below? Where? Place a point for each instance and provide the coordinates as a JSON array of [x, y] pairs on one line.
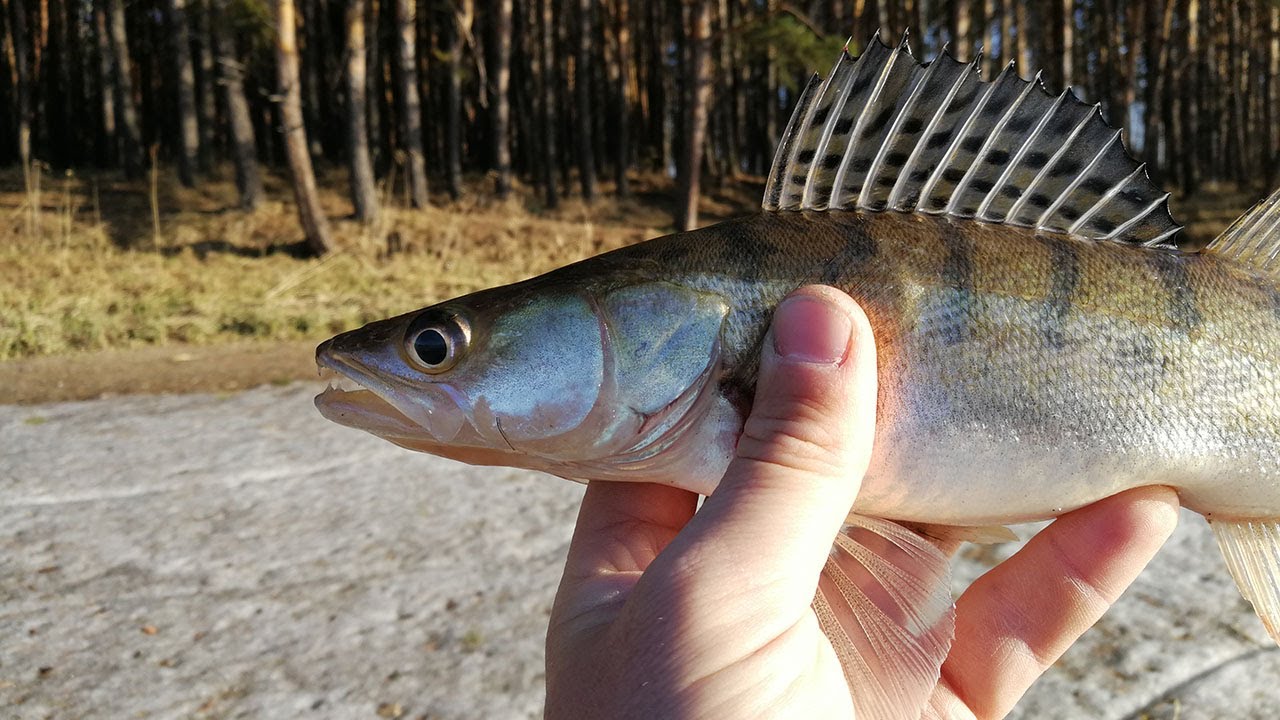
[[113, 287]]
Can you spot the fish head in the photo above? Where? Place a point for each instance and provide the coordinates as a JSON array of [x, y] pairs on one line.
[[588, 380]]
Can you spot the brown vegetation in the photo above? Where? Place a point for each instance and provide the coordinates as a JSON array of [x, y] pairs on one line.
[[82, 267]]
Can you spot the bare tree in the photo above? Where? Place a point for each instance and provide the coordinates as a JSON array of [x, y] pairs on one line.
[[244, 149], [963, 28], [458, 26], [125, 104], [620, 79], [22, 65], [1068, 41], [407, 95], [205, 83], [106, 78], [547, 102], [695, 114], [314, 223], [189, 128], [501, 99], [364, 194], [582, 93]]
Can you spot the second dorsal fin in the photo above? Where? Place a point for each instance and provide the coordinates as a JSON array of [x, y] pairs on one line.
[[884, 132]]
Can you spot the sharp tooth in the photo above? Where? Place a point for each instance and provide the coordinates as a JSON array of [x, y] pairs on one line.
[[341, 383]]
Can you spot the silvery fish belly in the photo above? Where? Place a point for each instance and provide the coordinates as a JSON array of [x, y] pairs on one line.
[[1043, 343]]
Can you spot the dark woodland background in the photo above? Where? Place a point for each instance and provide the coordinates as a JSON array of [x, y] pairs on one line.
[[569, 95]]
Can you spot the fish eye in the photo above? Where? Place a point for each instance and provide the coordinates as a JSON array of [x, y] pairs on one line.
[[437, 346]]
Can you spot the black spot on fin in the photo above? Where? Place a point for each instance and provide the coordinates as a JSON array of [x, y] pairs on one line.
[[1254, 239], [884, 132]]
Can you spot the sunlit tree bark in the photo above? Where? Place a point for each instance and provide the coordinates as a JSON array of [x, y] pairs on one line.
[[364, 193], [314, 223], [698, 98], [409, 105], [188, 126]]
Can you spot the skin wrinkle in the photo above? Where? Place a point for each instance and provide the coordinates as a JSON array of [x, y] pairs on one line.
[[768, 648]]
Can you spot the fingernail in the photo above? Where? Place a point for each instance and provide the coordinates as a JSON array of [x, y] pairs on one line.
[[810, 329]]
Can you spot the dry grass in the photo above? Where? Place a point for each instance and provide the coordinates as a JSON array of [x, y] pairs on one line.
[[85, 265], [82, 267]]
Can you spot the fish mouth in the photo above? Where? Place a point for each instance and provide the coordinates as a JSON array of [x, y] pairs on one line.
[[347, 401]]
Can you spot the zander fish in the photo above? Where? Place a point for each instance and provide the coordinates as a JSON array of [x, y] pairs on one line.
[[1043, 343]]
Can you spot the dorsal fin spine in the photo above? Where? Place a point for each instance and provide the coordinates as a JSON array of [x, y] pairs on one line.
[[837, 187], [833, 118], [1075, 182], [874, 172], [945, 161], [1153, 242], [896, 195], [1087, 215], [775, 186], [988, 143], [1123, 228], [1044, 171], [1016, 159]]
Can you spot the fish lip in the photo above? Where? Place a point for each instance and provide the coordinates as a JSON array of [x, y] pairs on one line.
[[351, 398]]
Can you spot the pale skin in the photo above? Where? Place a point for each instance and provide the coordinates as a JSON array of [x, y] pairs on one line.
[[664, 613]]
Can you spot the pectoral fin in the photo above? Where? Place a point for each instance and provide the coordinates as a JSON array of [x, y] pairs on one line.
[[884, 601], [980, 535], [1252, 550]]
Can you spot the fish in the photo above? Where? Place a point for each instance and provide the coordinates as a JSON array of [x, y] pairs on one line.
[[1034, 305]]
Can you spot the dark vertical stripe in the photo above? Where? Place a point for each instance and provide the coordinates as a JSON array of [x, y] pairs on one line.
[[957, 274], [1064, 264], [1273, 297], [857, 248], [1181, 308]]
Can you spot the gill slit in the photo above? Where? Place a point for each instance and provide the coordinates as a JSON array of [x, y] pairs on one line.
[[497, 425]]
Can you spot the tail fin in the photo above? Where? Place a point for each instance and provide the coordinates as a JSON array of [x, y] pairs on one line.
[[1252, 550], [1254, 239]]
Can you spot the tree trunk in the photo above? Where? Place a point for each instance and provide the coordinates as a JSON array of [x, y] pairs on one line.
[[125, 105], [989, 8], [963, 28], [205, 84], [374, 90], [1026, 53], [364, 193], [189, 128], [1068, 41], [1008, 48], [459, 27], [547, 103], [1271, 93], [410, 105], [620, 76], [22, 66], [107, 146], [314, 223], [244, 149], [582, 92], [698, 98], [501, 98]]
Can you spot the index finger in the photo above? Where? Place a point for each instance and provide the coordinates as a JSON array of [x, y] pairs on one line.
[[1016, 620]]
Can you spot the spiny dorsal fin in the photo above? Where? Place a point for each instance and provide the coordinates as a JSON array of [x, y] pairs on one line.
[[1254, 238], [884, 132]]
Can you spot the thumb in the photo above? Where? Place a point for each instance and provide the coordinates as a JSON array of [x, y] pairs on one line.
[[804, 448]]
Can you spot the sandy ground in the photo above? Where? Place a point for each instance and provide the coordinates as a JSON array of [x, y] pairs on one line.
[[234, 555]]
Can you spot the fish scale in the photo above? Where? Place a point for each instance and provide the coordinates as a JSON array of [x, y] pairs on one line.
[[1042, 343]]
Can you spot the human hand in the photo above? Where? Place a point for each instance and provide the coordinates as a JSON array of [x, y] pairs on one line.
[[662, 613]]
